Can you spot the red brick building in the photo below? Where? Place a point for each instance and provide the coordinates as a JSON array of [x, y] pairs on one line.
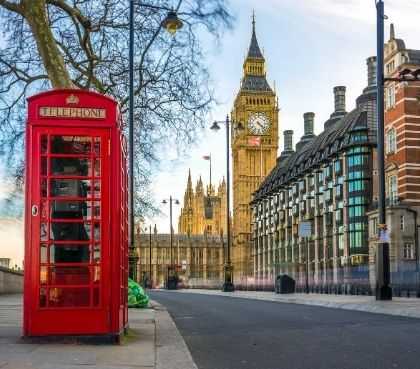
[[402, 165]]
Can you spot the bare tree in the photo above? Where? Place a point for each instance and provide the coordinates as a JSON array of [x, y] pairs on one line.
[[83, 44]]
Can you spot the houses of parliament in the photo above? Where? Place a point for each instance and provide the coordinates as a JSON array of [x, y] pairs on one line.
[[254, 153], [202, 223], [204, 210]]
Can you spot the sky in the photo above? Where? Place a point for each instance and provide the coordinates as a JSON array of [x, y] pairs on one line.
[[310, 46]]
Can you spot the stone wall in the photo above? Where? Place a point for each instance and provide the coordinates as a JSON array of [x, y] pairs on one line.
[[10, 281]]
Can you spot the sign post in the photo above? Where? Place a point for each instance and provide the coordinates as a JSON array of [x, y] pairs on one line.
[[305, 231]]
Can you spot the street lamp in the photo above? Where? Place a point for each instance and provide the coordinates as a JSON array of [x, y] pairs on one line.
[[383, 289], [228, 285], [148, 281], [172, 279], [171, 23]]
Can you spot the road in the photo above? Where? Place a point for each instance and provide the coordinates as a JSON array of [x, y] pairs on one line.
[[227, 333]]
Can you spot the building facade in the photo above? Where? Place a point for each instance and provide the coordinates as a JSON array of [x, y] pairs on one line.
[[204, 210], [331, 181], [198, 259], [402, 170], [254, 149]]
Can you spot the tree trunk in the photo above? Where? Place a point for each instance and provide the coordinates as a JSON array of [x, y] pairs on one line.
[[36, 16]]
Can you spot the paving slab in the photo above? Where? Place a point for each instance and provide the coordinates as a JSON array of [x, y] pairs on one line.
[[153, 341]]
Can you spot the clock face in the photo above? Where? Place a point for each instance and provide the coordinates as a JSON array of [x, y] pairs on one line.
[[258, 123]]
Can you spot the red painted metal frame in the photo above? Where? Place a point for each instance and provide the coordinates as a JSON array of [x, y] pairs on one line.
[[110, 315]]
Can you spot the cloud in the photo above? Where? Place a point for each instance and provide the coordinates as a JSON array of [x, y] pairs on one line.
[[356, 12]]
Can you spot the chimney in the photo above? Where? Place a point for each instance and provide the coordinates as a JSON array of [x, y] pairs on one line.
[[340, 99], [392, 32], [288, 140], [371, 64], [309, 123]]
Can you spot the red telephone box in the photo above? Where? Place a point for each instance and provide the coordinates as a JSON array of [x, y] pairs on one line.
[[76, 248]]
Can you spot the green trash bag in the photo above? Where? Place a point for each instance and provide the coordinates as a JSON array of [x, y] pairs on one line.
[[137, 298]]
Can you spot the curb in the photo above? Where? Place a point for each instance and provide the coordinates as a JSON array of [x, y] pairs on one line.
[[171, 350], [373, 309]]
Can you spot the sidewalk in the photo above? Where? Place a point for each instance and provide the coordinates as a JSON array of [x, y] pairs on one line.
[[153, 343], [400, 306]]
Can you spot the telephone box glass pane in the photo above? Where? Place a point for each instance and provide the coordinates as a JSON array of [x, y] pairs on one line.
[[69, 253], [97, 168], [96, 274], [97, 146], [97, 188], [44, 209], [42, 297], [69, 275], [66, 297], [71, 209], [97, 231], [44, 144], [43, 275], [71, 145], [70, 188], [71, 166], [97, 253], [44, 166], [70, 231], [97, 209], [44, 232], [44, 187], [43, 253]]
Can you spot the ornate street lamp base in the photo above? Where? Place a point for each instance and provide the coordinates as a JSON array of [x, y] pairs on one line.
[[384, 293], [228, 285], [172, 279]]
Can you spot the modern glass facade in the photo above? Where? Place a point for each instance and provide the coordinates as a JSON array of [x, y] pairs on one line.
[[327, 182]]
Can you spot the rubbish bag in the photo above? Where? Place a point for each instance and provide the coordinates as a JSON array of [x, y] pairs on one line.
[[137, 298]]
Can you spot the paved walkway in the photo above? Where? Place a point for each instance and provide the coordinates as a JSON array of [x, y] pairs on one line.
[[399, 306], [154, 343]]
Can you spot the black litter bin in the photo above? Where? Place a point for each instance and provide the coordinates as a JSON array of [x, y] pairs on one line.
[[285, 284]]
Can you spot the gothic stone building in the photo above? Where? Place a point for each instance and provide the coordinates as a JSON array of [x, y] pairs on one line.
[[331, 182], [198, 259], [203, 212]]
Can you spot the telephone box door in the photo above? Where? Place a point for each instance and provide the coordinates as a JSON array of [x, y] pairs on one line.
[[69, 223]]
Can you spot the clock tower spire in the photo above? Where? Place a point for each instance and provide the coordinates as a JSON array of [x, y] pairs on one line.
[[254, 150]]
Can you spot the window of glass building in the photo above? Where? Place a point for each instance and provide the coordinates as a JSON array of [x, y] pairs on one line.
[[338, 167]]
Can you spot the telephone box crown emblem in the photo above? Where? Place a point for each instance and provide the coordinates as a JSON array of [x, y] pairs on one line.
[[72, 99]]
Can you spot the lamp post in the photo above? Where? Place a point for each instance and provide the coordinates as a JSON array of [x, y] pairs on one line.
[[228, 285], [171, 23], [383, 289], [172, 277]]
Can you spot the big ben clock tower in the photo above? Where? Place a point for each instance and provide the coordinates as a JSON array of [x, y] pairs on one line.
[[254, 150]]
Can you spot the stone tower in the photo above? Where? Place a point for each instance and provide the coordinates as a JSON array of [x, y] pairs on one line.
[[254, 149]]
